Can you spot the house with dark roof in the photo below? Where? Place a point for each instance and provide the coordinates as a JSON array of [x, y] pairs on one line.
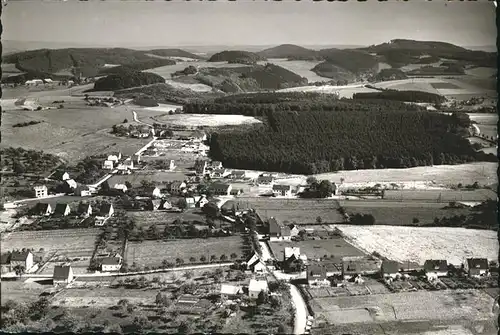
[[5, 263], [390, 269], [85, 209], [219, 173], [150, 191], [294, 230], [111, 264], [477, 267], [154, 204], [216, 165], [265, 180], [63, 274], [435, 268], [220, 189], [60, 175], [200, 167], [360, 265], [278, 232], [42, 209], [258, 266], [21, 258], [237, 174], [282, 190], [177, 186], [106, 210], [82, 191], [62, 210], [316, 275]]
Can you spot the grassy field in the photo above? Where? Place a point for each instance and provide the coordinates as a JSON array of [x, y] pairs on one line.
[[72, 133], [301, 211], [20, 291], [418, 244], [148, 218], [421, 305], [441, 195], [160, 178], [68, 242], [152, 253], [300, 67], [315, 249], [194, 120], [401, 213], [344, 91]]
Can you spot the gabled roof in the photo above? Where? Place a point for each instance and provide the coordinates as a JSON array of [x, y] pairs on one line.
[[265, 179], [478, 263], [219, 171], [281, 187], [230, 289], [360, 265], [156, 203], [84, 208], [257, 285], [176, 183], [436, 265], [61, 272], [238, 173], [40, 187], [83, 187], [4, 258], [19, 256], [289, 251], [274, 227], [285, 231], [61, 208], [105, 208], [219, 186], [316, 270], [390, 267], [41, 207], [111, 261]]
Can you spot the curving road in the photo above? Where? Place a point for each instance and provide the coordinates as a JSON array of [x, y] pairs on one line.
[[300, 311]]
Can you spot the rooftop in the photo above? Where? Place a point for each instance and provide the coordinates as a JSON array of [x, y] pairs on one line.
[[61, 272], [257, 285]]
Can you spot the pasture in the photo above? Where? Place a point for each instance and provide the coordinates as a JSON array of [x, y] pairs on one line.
[[149, 218], [159, 177], [441, 195], [417, 244], [314, 249], [68, 242], [21, 292], [420, 305], [300, 211], [343, 91], [152, 253], [401, 213], [71, 133], [198, 120]]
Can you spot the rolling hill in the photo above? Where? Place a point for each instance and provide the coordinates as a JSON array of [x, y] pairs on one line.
[[236, 56], [291, 52], [174, 53], [126, 79]]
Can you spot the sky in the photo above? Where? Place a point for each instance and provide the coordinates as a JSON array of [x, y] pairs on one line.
[[181, 23]]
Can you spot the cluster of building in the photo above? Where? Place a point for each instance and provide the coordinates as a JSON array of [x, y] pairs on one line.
[[101, 214], [115, 161]]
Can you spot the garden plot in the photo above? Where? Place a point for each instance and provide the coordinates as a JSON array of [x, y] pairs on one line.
[[417, 244], [152, 253], [68, 242], [149, 218], [421, 305]]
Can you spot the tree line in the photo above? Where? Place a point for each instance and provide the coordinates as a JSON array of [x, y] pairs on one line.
[[409, 96], [320, 141]]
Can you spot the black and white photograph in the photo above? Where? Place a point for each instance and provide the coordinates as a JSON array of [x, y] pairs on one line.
[[249, 167]]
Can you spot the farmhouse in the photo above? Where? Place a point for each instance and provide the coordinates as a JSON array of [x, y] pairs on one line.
[[291, 251], [62, 210], [201, 202], [220, 189], [390, 269], [60, 175], [265, 180], [255, 287], [150, 191], [190, 202], [126, 165], [257, 266], [237, 175], [63, 274], [85, 209], [278, 232], [106, 210], [476, 267], [82, 191], [41, 191], [21, 258], [219, 173], [121, 187], [228, 291], [43, 209], [282, 190], [435, 268], [177, 186], [115, 157], [107, 165], [316, 275], [359, 265], [110, 264]]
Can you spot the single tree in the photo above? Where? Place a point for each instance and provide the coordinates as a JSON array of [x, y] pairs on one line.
[[192, 259], [233, 256], [203, 259], [213, 258], [223, 257]]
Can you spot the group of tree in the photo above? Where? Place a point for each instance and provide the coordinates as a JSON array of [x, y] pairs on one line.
[[408, 96], [21, 160], [138, 66], [126, 79], [88, 170], [186, 71], [315, 189], [26, 124], [320, 141], [362, 219]]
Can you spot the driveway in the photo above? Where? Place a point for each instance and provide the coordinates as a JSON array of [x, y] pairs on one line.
[[300, 311]]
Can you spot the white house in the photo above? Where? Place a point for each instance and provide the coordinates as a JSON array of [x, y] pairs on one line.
[[121, 187], [289, 251], [21, 258], [230, 291], [107, 165], [106, 210], [111, 264], [255, 287], [126, 165], [82, 191], [71, 183], [171, 165], [257, 266], [43, 209], [435, 268], [216, 165], [41, 191], [34, 82], [202, 202], [63, 274], [282, 190], [219, 173], [115, 157], [476, 267], [85, 209], [177, 186], [221, 189]]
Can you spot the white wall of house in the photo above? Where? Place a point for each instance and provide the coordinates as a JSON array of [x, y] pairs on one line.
[[110, 267]]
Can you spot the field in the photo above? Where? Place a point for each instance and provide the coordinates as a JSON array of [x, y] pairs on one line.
[[197, 120], [401, 213], [315, 249], [301, 211], [160, 178], [441, 195], [152, 253], [166, 71], [300, 67], [487, 123], [344, 91], [20, 291], [103, 297], [72, 133], [421, 305], [68, 242], [148, 218], [418, 244]]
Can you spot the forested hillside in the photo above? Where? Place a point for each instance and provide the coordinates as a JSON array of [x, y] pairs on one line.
[[409, 96], [174, 53], [236, 56], [141, 66], [291, 52], [310, 142], [126, 79]]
